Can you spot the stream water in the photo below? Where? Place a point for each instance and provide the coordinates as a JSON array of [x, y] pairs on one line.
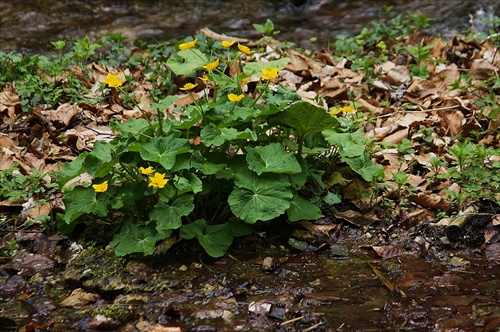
[[30, 25]]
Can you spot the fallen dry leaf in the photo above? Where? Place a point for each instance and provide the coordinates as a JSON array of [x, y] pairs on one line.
[[357, 218]]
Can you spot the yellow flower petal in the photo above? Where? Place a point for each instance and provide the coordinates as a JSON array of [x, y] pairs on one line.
[[347, 109], [101, 187], [212, 65], [146, 171], [188, 45], [113, 81], [244, 49], [188, 86], [227, 43], [158, 180], [204, 78], [235, 98], [269, 73], [334, 111]]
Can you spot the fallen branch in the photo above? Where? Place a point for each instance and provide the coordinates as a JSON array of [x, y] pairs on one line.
[[386, 282], [455, 227], [220, 36]]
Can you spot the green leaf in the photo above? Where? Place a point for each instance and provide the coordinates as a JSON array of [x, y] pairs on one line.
[[193, 229], [215, 239], [136, 238], [184, 185], [272, 158], [101, 160], [212, 135], [71, 170], [82, 201], [130, 128], [164, 103], [244, 113], [255, 68], [240, 228], [301, 209], [186, 62], [365, 167], [259, 197], [298, 180], [349, 144], [305, 118], [163, 150], [331, 198], [168, 214]]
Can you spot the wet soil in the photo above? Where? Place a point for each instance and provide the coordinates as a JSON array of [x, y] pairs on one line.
[[263, 284]]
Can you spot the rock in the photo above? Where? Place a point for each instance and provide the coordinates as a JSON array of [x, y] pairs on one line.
[[260, 307], [270, 264], [101, 271], [79, 298], [29, 264], [296, 244], [338, 251], [140, 270], [103, 323], [131, 299]]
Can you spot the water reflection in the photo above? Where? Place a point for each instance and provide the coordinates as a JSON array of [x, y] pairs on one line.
[[31, 25]]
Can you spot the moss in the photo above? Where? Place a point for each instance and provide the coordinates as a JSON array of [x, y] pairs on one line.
[[111, 311]]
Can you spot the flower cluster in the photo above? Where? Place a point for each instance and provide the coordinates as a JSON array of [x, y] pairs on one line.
[[345, 109], [158, 180]]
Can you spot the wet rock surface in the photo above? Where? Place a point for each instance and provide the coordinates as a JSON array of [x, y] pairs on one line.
[[261, 287]]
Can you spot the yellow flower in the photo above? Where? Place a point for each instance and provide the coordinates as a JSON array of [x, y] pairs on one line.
[[269, 73], [188, 86], [227, 43], [101, 187], [113, 81], [347, 109], [188, 45], [245, 80], [212, 65], [235, 98], [334, 111], [204, 78], [244, 49], [146, 171], [158, 180]]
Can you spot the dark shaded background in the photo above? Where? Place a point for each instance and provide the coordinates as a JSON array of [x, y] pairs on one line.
[[30, 26]]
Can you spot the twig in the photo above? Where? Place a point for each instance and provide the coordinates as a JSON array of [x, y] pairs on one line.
[[389, 285], [312, 327], [292, 320]]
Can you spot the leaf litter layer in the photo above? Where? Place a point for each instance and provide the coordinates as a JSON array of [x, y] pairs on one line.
[[432, 114]]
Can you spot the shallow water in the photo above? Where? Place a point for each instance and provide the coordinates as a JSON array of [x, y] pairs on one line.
[[30, 25]]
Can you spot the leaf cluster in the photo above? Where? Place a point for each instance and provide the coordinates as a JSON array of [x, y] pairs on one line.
[[230, 165]]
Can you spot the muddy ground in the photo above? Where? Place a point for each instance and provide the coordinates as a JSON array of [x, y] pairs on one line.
[[343, 279]]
